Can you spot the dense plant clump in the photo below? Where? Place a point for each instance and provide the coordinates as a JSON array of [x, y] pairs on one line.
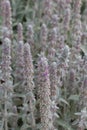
[[43, 65]]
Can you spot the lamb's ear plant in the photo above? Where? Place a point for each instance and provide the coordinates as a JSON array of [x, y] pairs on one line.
[[52, 44], [19, 63], [53, 80], [47, 10], [83, 114], [29, 86], [67, 18], [7, 19], [7, 85], [44, 91], [77, 25], [54, 89], [43, 37], [20, 32], [18, 96], [30, 36]]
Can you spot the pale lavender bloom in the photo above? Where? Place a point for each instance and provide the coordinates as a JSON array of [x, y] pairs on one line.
[[29, 83], [44, 94], [19, 68], [30, 35], [51, 54], [84, 25], [77, 6], [19, 72], [71, 80], [53, 80], [53, 37], [29, 69], [72, 75], [6, 59], [68, 1], [84, 90], [76, 25], [6, 77], [20, 32], [83, 116], [52, 44], [7, 21], [54, 20], [60, 6], [43, 36], [67, 18], [47, 9]]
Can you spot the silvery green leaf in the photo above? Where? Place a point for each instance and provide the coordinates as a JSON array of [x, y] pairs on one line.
[[75, 122], [64, 125], [78, 113], [74, 97], [11, 114], [56, 115], [25, 126], [64, 101], [84, 48]]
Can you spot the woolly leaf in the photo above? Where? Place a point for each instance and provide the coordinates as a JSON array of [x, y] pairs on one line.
[[64, 101], [84, 48], [64, 125], [25, 126], [74, 97]]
